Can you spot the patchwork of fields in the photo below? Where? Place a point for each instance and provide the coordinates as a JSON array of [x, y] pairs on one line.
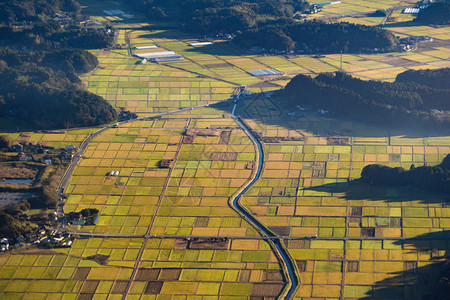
[[166, 229]]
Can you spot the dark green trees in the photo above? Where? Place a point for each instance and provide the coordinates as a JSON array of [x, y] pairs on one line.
[[435, 179]]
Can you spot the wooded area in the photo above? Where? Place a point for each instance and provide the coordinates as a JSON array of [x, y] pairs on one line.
[[40, 84], [384, 103]]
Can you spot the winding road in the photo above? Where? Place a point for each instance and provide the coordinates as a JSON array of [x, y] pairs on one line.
[[286, 260], [275, 241]]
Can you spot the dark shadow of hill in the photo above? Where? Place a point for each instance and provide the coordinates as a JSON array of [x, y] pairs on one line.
[[280, 111], [222, 48], [402, 24], [356, 190], [418, 282], [275, 112]]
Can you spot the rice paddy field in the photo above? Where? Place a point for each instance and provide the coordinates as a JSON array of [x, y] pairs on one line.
[[165, 268], [166, 229], [306, 189], [55, 139]]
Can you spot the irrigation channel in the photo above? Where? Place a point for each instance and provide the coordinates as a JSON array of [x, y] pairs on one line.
[[277, 242]]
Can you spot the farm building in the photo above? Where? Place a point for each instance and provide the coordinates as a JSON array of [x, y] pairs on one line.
[[201, 44], [160, 56], [146, 47], [266, 72]]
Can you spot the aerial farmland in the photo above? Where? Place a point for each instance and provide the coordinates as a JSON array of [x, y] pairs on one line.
[[216, 193]]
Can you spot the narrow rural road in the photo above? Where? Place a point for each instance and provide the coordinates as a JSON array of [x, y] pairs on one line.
[[285, 258]]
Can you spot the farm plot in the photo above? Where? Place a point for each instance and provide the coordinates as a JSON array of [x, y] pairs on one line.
[[185, 177], [355, 8], [177, 182], [104, 267], [152, 88], [358, 269], [308, 185], [90, 266], [52, 139], [307, 188], [234, 269]]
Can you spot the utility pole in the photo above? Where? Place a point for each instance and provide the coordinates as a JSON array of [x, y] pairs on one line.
[[341, 62]]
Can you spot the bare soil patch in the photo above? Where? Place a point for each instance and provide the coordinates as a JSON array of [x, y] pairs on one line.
[[81, 273], [266, 290], [225, 156], [202, 243], [215, 66], [225, 137], [147, 274]]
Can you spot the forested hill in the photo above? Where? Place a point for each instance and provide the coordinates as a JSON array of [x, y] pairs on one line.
[[36, 10], [401, 104], [268, 24], [436, 14], [40, 83], [318, 37], [435, 179], [435, 78], [34, 87], [213, 16]]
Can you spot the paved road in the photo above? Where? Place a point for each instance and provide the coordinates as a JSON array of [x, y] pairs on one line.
[[286, 260]]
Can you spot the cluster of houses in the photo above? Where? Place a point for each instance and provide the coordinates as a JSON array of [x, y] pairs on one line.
[[65, 19], [84, 217], [314, 9], [44, 237], [25, 152], [126, 115], [410, 43]]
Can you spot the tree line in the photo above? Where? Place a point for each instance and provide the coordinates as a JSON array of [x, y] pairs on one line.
[[268, 24], [436, 14], [50, 35], [316, 36], [434, 179], [213, 16], [383, 103], [42, 88], [435, 78], [39, 84], [35, 10]]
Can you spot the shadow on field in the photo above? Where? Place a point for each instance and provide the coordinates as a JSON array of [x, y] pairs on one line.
[[274, 111], [356, 190], [402, 24], [426, 282], [171, 31], [221, 48]]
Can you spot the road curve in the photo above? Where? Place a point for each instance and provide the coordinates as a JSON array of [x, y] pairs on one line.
[[287, 261]]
